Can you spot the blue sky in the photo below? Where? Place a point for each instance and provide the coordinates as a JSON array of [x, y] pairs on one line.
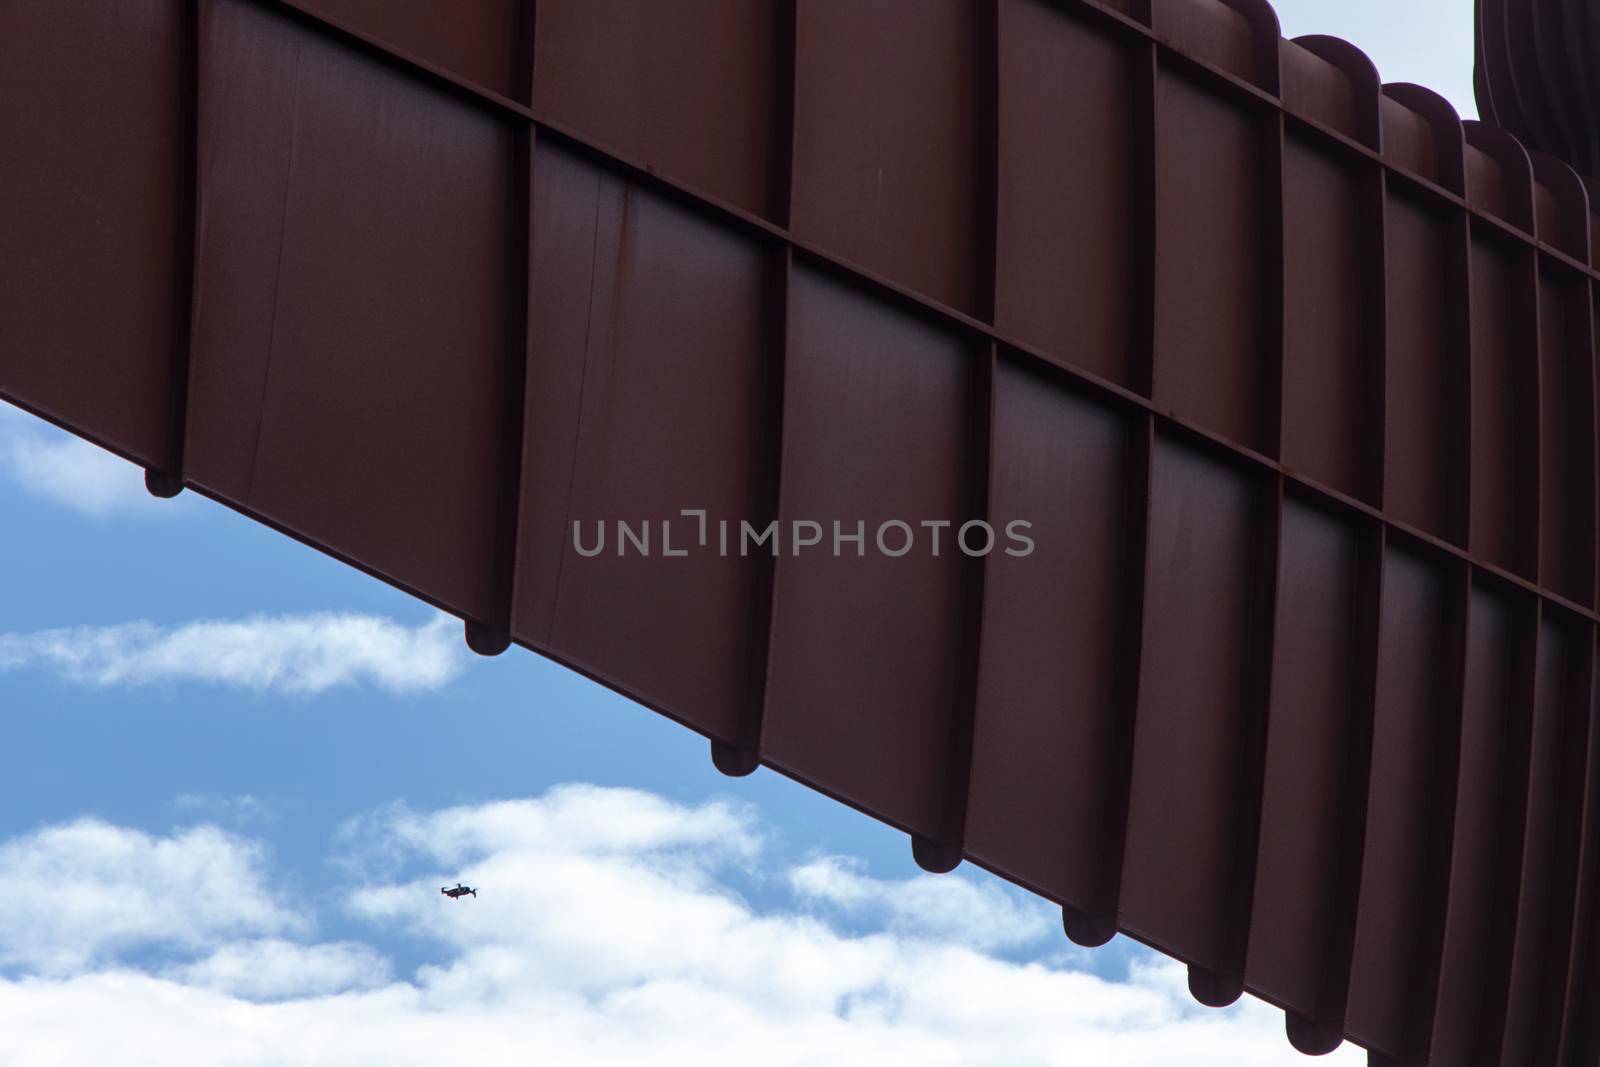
[[236, 771]]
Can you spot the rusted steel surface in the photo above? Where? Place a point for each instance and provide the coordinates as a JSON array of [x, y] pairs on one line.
[[1292, 372], [1535, 74]]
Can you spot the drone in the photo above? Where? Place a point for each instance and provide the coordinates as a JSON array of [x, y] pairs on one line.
[[458, 892]]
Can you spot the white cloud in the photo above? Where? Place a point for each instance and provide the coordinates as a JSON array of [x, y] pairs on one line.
[[84, 892], [303, 654], [609, 931], [270, 968], [607, 821], [54, 465], [979, 915]]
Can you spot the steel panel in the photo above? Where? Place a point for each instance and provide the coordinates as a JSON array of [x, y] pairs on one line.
[[1408, 140], [1210, 29], [1197, 651], [1327, 368], [1065, 270], [1580, 1015], [326, 407], [1209, 333], [1314, 86], [477, 39], [875, 412], [892, 187], [1416, 486], [1414, 751], [1566, 447], [1312, 740], [1503, 385], [1487, 846], [1560, 733], [1050, 702], [722, 61], [94, 200], [651, 330]]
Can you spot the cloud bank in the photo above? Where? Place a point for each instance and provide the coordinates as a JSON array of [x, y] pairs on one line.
[[84, 893], [613, 927], [298, 654]]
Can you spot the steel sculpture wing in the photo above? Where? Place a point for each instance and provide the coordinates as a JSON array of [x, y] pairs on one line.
[[1292, 372]]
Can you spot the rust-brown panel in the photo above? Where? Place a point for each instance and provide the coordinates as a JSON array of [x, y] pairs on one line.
[[1488, 829], [479, 40], [1547, 212], [1549, 868], [570, 197], [1313, 724], [885, 140], [1207, 29], [243, 186], [669, 374], [1402, 892], [1503, 386], [1047, 713], [1188, 751], [1486, 183], [1566, 443], [717, 60], [92, 189], [319, 398], [1326, 371], [866, 652], [1408, 139], [1580, 1016], [1315, 87], [1064, 269], [1208, 331], [1416, 460]]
